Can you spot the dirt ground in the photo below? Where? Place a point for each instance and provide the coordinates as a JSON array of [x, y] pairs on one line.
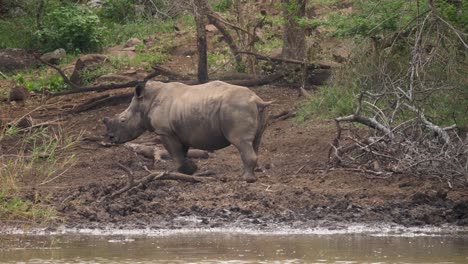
[[293, 187]]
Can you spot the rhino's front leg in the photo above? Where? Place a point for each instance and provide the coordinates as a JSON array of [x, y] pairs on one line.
[[178, 153]]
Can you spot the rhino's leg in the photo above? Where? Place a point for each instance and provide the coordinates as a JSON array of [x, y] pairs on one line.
[[178, 153], [249, 158]]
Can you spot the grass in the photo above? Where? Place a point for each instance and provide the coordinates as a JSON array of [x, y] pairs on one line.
[[17, 33], [116, 34], [328, 102], [35, 157]]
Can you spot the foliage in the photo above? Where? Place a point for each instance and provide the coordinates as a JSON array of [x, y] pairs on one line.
[[50, 82], [328, 102], [74, 28], [16, 33], [373, 18], [116, 33], [16, 208], [120, 11], [34, 156], [222, 5]]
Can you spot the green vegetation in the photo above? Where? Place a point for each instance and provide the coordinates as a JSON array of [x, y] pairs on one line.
[[51, 82], [329, 102], [17, 33], [72, 27], [384, 35], [36, 156]]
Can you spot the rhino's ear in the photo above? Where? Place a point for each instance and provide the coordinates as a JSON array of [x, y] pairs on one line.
[[139, 89], [105, 120]]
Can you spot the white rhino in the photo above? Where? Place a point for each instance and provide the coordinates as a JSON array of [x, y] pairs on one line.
[[208, 116]]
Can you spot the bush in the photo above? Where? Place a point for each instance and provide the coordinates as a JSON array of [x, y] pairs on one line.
[[74, 28], [120, 11]]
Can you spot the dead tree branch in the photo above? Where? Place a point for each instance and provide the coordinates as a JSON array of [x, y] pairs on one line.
[[153, 176], [310, 66]]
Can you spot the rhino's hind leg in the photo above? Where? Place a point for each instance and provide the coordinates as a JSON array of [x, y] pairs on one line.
[[188, 167], [249, 158], [178, 153]]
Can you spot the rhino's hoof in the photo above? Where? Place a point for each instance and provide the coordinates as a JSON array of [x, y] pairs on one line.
[[189, 167], [250, 179]]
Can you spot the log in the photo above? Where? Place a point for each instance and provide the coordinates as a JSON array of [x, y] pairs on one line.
[[310, 66], [157, 153]]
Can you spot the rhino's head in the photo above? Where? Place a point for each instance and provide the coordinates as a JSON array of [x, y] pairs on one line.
[[131, 123]]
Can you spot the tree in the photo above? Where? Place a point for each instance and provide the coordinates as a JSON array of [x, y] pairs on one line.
[[294, 44], [199, 8]]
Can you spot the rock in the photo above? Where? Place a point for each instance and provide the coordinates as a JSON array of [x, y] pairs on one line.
[[54, 57], [16, 59], [129, 48], [211, 28], [86, 62], [276, 53], [95, 3], [132, 42], [341, 54], [18, 93]]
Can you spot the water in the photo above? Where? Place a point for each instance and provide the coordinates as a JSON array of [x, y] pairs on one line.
[[235, 247]]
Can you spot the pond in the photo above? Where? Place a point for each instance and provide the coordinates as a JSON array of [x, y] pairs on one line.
[[234, 246]]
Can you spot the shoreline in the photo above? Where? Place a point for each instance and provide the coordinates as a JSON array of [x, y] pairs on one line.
[[376, 229]]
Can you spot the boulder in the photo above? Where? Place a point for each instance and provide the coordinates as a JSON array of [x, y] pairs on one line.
[[18, 93], [132, 42], [211, 28], [86, 62], [12, 60], [54, 57]]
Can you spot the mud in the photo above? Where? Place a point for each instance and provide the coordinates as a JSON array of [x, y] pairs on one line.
[[293, 188]]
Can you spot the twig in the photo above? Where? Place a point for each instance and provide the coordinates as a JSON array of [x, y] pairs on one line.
[[299, 170], [4, 76]]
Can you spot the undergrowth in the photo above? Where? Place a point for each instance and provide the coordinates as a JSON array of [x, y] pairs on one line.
[[32, 157]]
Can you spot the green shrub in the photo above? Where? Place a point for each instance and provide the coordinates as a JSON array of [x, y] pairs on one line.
[[74, 28], [116, 33], [51, 83], [222, 5], [120, 11], [17, 33], [329, 102]]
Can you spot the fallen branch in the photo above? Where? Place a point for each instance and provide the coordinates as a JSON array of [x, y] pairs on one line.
[[100, 101], [286, 114], [153, 176], [440, 132], [273, 59], [172, 75], [99, 88]]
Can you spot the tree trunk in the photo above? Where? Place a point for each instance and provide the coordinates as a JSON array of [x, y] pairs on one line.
[[199, 11], [294, 44]]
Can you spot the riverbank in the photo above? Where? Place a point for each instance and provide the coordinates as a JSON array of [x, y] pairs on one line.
[[295, 188]]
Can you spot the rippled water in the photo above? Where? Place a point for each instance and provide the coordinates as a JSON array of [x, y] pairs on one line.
[[233, 247]]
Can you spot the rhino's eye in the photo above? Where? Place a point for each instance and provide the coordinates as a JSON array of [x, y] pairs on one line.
[[122, 120]]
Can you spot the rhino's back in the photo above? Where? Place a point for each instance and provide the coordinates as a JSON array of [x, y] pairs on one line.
[[196, 113]]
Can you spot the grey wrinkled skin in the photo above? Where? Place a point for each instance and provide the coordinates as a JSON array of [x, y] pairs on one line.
[[209, 116]]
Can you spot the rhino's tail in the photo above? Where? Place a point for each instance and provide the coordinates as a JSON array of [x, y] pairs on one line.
[[262, 122], [262, 104]]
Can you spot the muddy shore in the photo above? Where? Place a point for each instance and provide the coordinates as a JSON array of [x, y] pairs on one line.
[[293, 189]]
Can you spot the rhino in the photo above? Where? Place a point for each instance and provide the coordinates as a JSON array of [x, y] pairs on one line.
[[208, 116]]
